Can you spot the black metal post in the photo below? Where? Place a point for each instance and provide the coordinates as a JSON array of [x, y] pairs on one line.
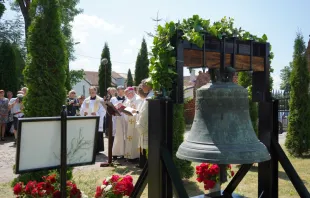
[[155, 130], [178, 92], [168, 141], [106, 115], [274, 156], [265, 129], [290, 171], [110, 140], [265, 126], [63, 153]]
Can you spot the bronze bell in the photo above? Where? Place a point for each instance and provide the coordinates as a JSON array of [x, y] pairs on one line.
[[222, 132]]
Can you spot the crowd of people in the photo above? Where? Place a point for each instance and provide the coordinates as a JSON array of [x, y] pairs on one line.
[[10, 110], [129, 130]]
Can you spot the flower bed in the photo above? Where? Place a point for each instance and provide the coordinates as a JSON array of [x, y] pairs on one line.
[[115, 187], [49, 188], [209, 174]]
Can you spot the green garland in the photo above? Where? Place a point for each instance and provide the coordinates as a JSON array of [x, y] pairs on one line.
[[163, 57]]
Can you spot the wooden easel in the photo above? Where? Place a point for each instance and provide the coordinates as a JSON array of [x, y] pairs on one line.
[[111, 111]]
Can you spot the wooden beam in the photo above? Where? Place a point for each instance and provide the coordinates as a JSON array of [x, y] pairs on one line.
[[194, 58]]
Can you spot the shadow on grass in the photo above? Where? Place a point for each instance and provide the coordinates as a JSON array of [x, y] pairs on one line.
[[281, 174], [101, 157], [128, 169], [192, 188]]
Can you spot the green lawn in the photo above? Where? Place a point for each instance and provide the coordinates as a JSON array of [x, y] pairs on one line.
[[88, 179]]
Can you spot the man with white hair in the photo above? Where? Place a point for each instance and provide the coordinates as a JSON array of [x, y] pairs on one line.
[[143, 122], [132, 151], [16, 106], [118, 149]]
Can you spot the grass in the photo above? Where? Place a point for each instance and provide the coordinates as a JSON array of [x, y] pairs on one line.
[[88, 179]]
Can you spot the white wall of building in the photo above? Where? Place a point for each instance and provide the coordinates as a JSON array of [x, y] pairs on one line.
[[189, 92], [81, 88], [120, 81]]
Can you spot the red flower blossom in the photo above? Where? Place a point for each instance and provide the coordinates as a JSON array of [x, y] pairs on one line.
[[45, 189], [117, 185], [51, 178], [75, 192], [115, 178], [57, 194], [18, 188], [30, 185], [232, 173], [209, 174], [98, 192], [209, 184]]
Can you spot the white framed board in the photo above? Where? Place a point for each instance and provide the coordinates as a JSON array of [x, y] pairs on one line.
[[39, 139]]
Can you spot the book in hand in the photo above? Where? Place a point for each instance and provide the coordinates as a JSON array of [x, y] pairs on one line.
[[129, 111], [110, 108]]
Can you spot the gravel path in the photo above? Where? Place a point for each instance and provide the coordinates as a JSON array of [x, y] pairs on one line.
[[7, 160]]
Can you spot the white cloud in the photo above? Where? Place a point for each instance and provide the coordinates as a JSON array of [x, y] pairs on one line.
[[127, 51], [83, 63], [83, 24], [276, 81], [132, 42]]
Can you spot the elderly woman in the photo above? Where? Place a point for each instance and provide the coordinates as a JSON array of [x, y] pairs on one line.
[[4, 110], [72, 103]]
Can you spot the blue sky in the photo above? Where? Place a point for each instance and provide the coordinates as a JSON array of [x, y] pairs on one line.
[[123, 23]]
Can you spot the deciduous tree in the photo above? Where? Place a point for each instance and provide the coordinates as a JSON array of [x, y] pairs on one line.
[[285, 74], [76, 76]]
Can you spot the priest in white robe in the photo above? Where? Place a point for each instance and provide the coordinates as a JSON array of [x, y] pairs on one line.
[[142, 123], [132, 150], [118, 149], [92, 106]]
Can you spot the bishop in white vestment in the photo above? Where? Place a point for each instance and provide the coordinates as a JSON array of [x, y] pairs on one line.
[[92, 107], [132, 150]]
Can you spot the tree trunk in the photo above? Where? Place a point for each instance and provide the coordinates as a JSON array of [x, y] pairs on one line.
[[24, 7]]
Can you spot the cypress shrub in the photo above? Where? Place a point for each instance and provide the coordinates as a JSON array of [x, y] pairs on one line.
[[45, 73], [142, 64], [8, 70], [103, 73], [184, 167], [129, 79], [298, 136]]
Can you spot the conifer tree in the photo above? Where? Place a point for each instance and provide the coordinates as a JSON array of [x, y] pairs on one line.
[[298, 136], [142, 64], [245, 80], [8, 71], [105, 71], [129, 79], [45, 73]]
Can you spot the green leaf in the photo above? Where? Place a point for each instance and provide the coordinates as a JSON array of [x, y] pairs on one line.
[[265, 38]]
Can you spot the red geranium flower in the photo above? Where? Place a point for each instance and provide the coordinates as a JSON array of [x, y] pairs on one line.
[[18, 188]]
